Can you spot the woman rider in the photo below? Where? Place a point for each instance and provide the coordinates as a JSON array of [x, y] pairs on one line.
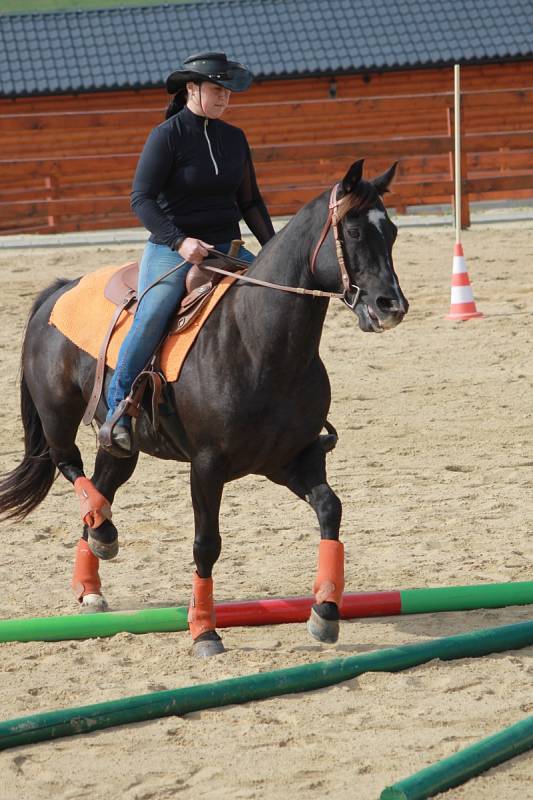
[[194, 181]]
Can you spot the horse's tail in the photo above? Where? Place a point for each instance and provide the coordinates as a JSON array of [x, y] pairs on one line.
[[329, 440], [27, 485]]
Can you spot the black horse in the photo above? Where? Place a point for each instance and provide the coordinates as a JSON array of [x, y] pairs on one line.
[[252, 397]]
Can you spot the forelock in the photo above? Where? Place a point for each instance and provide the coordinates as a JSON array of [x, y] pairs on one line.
[[364, 196]]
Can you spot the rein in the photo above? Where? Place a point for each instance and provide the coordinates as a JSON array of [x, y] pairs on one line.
[[331, 222], [293, 289]]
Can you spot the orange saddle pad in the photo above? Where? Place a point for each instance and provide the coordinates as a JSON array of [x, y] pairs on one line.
[[83, 315]]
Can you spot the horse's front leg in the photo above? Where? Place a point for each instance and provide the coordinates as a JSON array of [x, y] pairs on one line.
[[206, 489], [306, 477]]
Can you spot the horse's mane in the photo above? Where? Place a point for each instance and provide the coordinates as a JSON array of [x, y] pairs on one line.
[[364, 196], [46, 293]]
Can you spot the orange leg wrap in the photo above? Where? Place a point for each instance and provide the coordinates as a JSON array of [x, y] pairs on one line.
[[85, 579], [94, 507], [329, 584], [202, 608]]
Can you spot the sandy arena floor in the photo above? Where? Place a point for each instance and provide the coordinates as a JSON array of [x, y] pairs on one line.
[[434, 466]]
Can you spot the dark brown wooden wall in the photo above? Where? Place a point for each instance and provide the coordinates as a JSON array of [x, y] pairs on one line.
[[67, 161]]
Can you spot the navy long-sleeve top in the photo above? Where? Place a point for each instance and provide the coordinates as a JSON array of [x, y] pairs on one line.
[[195, 177]]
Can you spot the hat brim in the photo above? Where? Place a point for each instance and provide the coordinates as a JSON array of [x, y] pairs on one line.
[[239, 79]]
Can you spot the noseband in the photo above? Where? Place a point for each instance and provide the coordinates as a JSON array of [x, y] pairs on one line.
[[351, 292]]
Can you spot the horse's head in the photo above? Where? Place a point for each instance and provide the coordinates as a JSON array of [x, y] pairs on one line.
[[367, 235]]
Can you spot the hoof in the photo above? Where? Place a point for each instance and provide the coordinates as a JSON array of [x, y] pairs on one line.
[[103, 540], [207, 645], [323, 630], [93, 604]]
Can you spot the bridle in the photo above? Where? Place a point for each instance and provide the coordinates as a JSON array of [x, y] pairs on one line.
[[351, 294], [332, 222]]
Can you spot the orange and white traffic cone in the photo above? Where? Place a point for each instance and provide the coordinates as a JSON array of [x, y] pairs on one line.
[[462, 302]]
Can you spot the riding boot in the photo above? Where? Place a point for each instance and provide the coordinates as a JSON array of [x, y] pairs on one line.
[[121, 437], [115, 435]]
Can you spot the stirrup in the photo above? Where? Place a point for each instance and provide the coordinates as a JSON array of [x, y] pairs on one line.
[[108, 442], [106, 434]]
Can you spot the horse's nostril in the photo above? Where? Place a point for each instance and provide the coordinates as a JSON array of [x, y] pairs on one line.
[[390, 307], [386, 305]]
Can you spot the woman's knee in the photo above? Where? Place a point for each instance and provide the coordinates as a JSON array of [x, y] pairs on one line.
[[160, 301], [157, 259], [245, 255]]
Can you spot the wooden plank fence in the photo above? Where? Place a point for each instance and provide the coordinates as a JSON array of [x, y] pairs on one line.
[[72, 169]]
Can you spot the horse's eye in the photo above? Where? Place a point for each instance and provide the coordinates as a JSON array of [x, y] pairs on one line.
[[355, 233]]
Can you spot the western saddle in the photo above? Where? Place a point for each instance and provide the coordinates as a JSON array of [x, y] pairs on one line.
[[121, 290]]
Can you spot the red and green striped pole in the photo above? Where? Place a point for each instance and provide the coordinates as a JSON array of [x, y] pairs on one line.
[[270, 611]]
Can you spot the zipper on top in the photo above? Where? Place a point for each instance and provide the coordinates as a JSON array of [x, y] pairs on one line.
[[210, 148]]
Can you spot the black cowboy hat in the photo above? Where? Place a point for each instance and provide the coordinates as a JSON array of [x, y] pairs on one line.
[[212, 67]]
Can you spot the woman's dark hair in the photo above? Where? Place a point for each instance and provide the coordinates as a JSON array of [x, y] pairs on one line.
[[177, 103]]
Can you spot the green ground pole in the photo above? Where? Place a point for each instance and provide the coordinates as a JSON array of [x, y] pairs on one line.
[[56, 724], [466, 598], [465, 764], [89, 626]]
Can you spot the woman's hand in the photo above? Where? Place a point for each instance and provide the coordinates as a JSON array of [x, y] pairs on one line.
[[194, 250]]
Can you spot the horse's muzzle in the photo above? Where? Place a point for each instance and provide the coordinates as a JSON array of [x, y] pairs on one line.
[[382, 315]]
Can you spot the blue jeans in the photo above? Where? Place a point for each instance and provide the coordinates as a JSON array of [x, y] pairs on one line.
[[152, 316]]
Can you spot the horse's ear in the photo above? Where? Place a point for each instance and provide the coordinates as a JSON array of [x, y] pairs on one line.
[[353, 176], [384, 181]]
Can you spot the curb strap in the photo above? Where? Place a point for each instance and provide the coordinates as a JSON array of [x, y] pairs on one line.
[[329, 583], [94, 507]]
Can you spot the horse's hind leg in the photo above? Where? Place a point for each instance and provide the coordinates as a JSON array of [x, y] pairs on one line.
[[100, 540], [60, 427], [206, 489], [306, 477], [52, 404]]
